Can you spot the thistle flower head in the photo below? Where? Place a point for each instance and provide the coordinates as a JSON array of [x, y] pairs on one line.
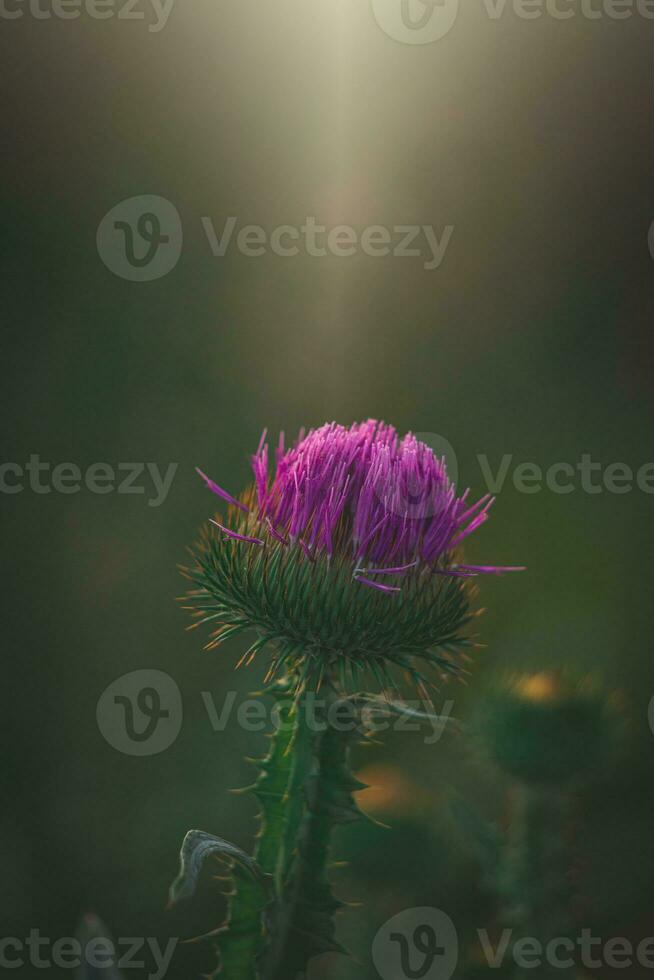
[[344, 559]]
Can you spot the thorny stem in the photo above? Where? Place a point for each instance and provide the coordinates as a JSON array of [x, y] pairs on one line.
[[303, 924]]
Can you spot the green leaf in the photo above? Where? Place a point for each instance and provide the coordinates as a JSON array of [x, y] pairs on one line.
[[197, 846], [242, 937]]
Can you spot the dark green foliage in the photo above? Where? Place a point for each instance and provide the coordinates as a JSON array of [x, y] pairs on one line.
[[318, 619]]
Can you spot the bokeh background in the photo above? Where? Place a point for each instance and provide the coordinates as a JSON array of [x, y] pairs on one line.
[[533, 338]]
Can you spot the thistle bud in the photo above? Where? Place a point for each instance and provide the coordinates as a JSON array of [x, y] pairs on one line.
[[548, 728]]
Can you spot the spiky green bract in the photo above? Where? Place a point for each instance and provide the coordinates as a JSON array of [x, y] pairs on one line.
[[304, 923], [318, 620]]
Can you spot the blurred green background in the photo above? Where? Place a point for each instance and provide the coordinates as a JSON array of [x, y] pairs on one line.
[[533, 139]]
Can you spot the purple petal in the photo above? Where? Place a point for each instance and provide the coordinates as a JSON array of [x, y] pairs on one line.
[[220, 492], [233, 534], [377, 585], [393, 494], [275, 533], [261, 442], [487, 499]]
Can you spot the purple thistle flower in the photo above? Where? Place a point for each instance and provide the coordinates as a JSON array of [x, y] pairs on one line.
[[389, 501], [341, 507]]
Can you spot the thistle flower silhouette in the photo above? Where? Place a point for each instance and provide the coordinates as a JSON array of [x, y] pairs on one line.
[[345, 560]]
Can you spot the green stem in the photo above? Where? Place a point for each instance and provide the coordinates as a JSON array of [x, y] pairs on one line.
[[243, 940], [272, 789], [300, 755], [538, 885], [304, 923]]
